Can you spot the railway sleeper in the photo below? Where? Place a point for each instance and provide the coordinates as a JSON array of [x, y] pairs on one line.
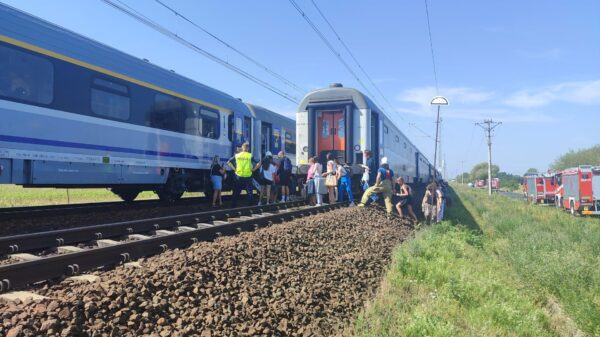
[[114, 253]]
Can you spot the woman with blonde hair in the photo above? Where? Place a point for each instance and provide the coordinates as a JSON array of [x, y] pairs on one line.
[[331, 177], [217, 174]]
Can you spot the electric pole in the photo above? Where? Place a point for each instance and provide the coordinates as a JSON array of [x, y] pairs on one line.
[[462, 172], [488, 125]]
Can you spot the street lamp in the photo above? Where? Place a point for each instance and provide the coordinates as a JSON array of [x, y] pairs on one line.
[[439, 101]]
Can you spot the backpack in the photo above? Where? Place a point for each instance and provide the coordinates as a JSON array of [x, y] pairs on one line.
[[287, 164]]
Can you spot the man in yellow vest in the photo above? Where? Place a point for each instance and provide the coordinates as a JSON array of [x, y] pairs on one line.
[[241, 163]]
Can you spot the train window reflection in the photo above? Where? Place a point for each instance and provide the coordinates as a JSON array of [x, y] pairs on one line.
[[26, 77]]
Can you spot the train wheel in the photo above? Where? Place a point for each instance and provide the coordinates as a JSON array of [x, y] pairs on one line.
[[126, 194], [169, 196]]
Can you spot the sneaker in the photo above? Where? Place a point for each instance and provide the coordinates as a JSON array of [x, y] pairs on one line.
[[282, 199], [352, 204], [361, 205], [318, 205], [259, 203]]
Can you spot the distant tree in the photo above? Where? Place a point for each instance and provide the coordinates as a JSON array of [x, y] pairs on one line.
[[511, 182], [465, 176], [480, 171], [532, 170], [572, 158]]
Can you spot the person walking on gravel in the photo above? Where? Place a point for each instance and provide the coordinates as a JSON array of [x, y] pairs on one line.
[[217, 174], [383, 185], [345, 183], [266, 170], [285, 175], [370, 168], [241, 164], [429, 203], [406, 199], [330, 177]]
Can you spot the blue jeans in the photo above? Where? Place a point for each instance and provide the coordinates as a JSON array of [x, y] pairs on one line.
[[345, 184]]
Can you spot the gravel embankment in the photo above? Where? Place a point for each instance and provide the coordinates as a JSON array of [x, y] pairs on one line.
[[307, 277]]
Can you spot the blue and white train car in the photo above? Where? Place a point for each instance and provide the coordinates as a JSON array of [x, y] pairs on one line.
[[77, 113], [345, 122], [275, 132]]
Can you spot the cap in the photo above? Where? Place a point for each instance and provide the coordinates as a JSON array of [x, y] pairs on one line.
[[268, 154], [384, 161]]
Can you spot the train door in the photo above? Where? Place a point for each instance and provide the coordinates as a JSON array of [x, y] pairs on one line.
[[241, 129], [265, 137], [331, 134], [375, 136]]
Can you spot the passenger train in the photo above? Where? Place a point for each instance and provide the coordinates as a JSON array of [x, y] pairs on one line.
[[346, 122], [77, 113]]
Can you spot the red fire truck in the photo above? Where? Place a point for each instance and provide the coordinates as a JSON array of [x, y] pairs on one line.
[[581, 190], [495, 184], [480, 183], [541, 188]]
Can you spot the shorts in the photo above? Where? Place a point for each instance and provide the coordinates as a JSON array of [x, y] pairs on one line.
[[284, 179], [217, 182]]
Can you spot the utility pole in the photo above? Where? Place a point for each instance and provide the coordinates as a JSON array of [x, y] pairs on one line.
[[462, 172], [488, 125], [438, 100]]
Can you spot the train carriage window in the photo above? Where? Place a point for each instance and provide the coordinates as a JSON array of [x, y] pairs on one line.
[[26, 77], [230, 127], [166, 113], [210, 124], [110, 99], [290, 143]]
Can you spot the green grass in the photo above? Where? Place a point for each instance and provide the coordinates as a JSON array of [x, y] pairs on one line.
[[498, 267], [14, 196]]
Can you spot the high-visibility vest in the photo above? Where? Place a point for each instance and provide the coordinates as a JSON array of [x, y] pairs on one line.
[[243, 164]]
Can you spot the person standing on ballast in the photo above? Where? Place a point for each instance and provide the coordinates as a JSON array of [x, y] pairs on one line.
[[241, 164]]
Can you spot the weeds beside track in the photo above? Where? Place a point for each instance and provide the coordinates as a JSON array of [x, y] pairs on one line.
[[498, 267]]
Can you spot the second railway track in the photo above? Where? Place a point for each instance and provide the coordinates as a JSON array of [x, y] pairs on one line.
[[166, 233]]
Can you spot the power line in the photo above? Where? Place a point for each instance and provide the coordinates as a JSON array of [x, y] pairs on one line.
[[152, 24], [244, 55], [333, 50], [431, 47], [489, 126], [351, 54]]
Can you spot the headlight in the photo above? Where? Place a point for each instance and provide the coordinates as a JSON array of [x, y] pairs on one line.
[[356, 148], [305, 149]]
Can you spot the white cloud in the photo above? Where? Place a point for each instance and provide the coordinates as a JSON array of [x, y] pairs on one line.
[[583, 92], [460, 95]]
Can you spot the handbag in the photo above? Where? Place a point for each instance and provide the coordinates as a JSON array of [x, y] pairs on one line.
[[331, 181]]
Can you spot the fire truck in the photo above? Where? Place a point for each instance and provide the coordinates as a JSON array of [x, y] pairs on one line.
[[541, 188], [480, 183], [581, 190], [495, 184]]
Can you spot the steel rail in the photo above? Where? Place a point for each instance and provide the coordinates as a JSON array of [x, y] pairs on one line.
[[21, 274], [56, 238]]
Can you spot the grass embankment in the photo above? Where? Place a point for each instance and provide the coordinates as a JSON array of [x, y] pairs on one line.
[[498, 267], [15, 196]]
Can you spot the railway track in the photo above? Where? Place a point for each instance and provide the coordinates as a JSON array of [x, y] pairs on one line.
[[140, 238], [72, 209]]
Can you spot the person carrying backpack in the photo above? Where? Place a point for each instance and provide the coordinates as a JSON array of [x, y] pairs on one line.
[[285, 175]]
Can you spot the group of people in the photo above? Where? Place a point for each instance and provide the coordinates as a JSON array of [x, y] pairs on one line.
[[335, 182], [266, 175]]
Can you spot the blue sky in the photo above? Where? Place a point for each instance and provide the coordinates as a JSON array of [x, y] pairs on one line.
[[533, 65]]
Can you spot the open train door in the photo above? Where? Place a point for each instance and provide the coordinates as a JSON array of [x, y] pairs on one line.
[[331, 136]]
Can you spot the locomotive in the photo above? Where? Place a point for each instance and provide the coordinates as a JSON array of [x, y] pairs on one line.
[[77, 113]]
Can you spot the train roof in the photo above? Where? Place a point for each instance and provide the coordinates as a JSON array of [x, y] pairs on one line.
[[25, 28], [265, 114], [336, 92]]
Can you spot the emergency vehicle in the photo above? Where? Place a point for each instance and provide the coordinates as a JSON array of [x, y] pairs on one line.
[[480, 183], [581, 190], [541, 188], [495, 184]]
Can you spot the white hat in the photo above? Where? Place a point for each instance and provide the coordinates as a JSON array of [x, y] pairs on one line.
[[268, 154], [384, 161]]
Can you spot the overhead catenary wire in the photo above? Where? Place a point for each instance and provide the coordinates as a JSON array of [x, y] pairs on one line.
[[239, 52], [358, 64], [435, 77], [334, 51], [152, 24]]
